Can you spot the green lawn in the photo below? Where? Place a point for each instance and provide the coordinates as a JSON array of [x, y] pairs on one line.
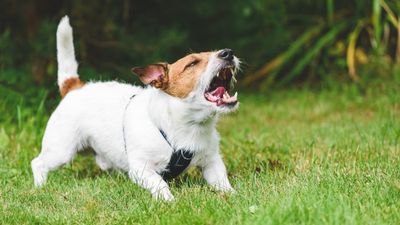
[[294, 156]]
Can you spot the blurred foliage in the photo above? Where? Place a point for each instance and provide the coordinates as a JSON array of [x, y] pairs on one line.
[[280, 42]]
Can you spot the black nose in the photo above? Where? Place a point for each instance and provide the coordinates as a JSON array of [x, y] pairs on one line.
[[226, 54]]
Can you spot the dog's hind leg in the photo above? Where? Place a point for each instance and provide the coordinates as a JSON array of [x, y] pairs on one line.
[[58, 148], [102, 163]]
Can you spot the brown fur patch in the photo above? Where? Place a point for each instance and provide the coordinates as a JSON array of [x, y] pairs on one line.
[[182, 78], [177, 79], [70, 84]]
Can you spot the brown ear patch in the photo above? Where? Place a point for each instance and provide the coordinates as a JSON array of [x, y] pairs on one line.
[[69, 85], [153, 74]]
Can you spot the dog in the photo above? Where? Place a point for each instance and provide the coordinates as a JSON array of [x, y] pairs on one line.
[[153, 133]]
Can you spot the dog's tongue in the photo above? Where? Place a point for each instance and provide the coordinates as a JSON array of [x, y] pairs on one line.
[[218, 92], [220, 96]]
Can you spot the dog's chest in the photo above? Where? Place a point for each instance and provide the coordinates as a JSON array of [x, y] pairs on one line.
[[194, 138], [201, 143], [149, 117]]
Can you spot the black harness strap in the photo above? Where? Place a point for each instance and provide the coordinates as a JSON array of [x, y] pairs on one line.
[[179, 161]]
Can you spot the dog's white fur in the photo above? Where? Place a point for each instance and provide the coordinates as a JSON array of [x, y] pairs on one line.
[[67, 65], [95, 116]]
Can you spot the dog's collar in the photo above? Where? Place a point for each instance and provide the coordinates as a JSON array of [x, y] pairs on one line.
[[179, 161]]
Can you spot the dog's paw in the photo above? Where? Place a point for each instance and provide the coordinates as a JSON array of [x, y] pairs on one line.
[[39, 173], [227, 190], [231, 191], [164, 195], [224, 187]]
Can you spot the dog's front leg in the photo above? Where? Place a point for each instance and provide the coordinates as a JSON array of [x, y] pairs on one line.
[[146, 177], [214, 172]]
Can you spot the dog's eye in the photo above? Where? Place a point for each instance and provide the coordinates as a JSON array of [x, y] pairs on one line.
[[192, 63]]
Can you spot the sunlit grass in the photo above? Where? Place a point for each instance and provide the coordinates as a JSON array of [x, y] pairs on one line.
[[294, 156]]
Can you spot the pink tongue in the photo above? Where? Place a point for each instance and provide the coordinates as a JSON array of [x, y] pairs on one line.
[[219, 91], [220, 96]]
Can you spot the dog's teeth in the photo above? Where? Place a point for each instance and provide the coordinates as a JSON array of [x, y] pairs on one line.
[[218, 74], [234, 79], [235, 95], [226, 95]]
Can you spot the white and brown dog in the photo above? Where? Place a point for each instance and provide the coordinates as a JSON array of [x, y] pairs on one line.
[[152, 133]]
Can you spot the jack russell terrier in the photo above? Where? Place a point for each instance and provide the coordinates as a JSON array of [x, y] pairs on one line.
[[152, 133]]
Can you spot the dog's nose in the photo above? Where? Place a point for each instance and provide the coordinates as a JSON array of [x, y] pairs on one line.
[[226, 54]]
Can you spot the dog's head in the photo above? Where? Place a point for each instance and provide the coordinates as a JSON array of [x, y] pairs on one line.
[[204, 79]]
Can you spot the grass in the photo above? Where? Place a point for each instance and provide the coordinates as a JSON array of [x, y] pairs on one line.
[[295, 156]]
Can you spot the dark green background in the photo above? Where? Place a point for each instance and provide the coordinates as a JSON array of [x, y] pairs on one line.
[[113, 36]]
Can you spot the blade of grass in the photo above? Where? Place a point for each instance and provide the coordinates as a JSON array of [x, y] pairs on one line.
[[19, 117], [311, 53], [398, 42], [267, 68], [282, 59], [376, 23], [386, 35], [41, 103], [351, 50], [391, 16], [330, 10]]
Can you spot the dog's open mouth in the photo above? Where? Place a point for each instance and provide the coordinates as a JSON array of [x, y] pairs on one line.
[[221, 84]]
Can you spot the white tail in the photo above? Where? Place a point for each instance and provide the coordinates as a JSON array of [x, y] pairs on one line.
[[67, 65]]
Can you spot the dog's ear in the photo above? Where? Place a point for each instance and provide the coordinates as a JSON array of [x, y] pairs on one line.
[[154, 74]]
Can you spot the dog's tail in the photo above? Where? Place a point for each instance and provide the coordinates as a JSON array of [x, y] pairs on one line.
[[68, 78]]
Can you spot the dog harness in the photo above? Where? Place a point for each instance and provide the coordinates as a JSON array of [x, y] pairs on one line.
[[180, 158]]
